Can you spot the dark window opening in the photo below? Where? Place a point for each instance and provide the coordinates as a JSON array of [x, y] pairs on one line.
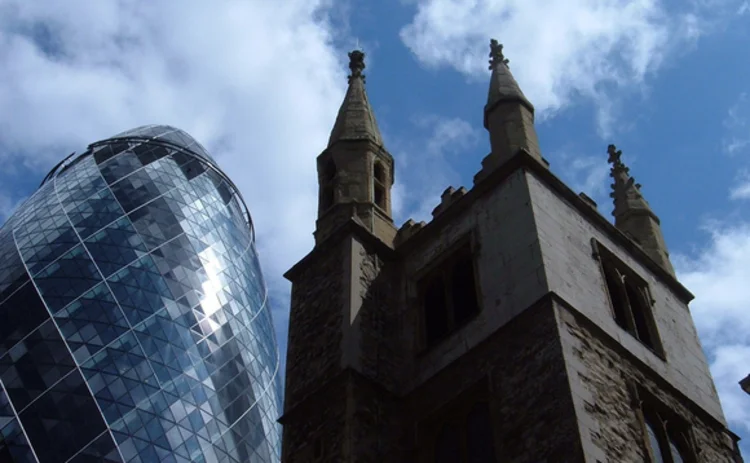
[[667, 440], [380, 196], [379, 172], [465, 303], [318, 449], [379, 185], [326, 198], [447, 445], [640, 310], [449, 296], [614, 287], [436, 314], [628, 295], [465, 433], [327, 183], [480, 447], [329, 171]]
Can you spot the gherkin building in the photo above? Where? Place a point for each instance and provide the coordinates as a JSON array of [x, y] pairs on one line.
[[134, 319]]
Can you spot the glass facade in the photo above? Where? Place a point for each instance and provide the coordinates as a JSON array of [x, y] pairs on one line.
[[134, 322]]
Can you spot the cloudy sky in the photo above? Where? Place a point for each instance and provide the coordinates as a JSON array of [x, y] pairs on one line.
[[259, 84]]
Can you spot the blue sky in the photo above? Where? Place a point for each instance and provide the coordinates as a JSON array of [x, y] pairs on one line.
[[259, 84]]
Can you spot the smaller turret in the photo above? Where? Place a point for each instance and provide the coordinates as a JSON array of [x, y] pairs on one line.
[[355, 172], [632, 213], [508, 116]]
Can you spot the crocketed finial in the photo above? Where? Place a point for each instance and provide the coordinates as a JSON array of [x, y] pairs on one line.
[[356, 64], [496, 54], [620, 172]]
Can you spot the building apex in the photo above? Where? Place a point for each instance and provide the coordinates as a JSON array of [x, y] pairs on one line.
[[356, 64], [503, 86], [356, 120], [496, 54]]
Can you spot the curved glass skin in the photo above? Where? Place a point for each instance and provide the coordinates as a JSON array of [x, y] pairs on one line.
[[134, 323]]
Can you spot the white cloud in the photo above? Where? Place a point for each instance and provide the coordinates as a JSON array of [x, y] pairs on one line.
[[428, 158], [258, 83], [737, 126], [559, 50], [718, 275], [741, 189], [586, 173]]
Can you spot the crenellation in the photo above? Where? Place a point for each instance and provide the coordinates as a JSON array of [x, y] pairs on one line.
[[588, 200], [449, 196], [407, 230]]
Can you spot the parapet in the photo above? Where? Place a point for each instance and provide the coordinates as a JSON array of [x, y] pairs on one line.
[[449, 196], [407, 230]]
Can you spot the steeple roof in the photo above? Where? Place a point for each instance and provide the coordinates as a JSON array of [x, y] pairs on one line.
[[503, 86], [356, 120]]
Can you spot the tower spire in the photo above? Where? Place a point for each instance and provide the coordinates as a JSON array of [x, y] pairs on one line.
[[355, 120], [503, 86], [508, 117], [632, 213], [355, 171]]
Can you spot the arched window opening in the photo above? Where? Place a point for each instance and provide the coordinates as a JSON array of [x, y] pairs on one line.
[[379, 185], [653, 440], [328, 180], [668, 441], [379, 172], [380, 196]]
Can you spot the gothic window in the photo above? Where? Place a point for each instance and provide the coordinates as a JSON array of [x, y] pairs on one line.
[[630, 299], [328, 181], [379, 183], [667, 440], [449, 296]]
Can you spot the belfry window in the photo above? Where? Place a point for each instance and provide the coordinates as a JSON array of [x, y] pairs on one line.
[[449, 296], [666, 436], [327, 183], [379, 183], [630, 299]]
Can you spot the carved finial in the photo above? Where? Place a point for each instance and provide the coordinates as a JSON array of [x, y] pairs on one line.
[[496, 54], [618, 167], [356, 64], [614, 156]]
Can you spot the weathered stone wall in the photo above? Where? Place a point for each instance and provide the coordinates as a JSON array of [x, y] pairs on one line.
[[531, 407], [600, 376], [315, 322], [378, 320], [324, 418], [509, 263], [575, 275]]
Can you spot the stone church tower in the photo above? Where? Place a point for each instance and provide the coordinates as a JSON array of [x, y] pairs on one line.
[[518, 325]]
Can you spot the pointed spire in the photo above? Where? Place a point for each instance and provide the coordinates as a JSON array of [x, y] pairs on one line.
[[355, 120], [632, 213], [508, 117], [503, 86]]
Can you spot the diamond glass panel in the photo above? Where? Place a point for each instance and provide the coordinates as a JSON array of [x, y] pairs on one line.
[[160, 346]]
